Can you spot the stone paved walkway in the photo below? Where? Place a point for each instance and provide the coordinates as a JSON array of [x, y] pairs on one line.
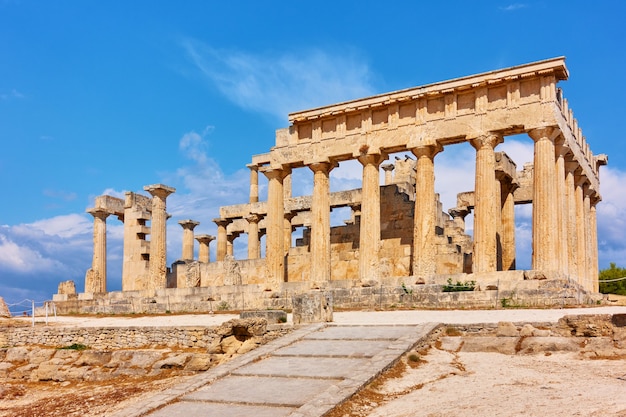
[[303, 374]]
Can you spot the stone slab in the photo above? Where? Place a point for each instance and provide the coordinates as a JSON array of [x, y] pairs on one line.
[[195, 408], [334, 348], [362, 332], [308, 367], [274, 391]]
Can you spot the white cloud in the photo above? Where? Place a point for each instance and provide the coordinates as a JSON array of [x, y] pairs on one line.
[[279, 84], [67, 226], [13, 94], [513, 7]]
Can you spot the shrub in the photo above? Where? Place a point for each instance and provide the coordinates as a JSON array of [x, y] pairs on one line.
[[459, 286]]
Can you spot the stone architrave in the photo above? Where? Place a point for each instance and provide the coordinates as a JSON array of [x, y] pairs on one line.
[[96, 279], [204, 252], [188, 226], [369, 235], [320, 223], [253, 235], [487, 204], [222, 238], [158, 237], [275, 240], [425, 216], [545, 219]]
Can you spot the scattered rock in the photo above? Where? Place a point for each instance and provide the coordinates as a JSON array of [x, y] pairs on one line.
[[507, 329]]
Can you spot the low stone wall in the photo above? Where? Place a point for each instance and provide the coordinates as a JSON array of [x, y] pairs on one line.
[[113, 338], [512, 289]]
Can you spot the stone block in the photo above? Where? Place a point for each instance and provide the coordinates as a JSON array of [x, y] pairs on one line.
[[504, 345], [506, 329], [549, 344], [312, 307], [272, 316]]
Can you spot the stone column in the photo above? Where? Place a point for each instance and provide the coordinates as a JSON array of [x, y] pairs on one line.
[[204, 253], [158, 238], [486, 205], [581, 230], [588, 282], [560, 197], [288, 229], [320, 223], [545, 220], [96, 281], [253, 235], [571, 219], [369, 236], [231, 243], [593, 229], [507, 230], [458, 216], [275, 241], [222, 239], [188, 226], [254, 183], [425, 212], [388, 168]]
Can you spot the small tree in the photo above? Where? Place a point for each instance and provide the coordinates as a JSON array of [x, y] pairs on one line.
[[616, 287]]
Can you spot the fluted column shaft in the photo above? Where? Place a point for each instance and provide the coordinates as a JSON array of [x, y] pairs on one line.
[[573, 257], [581, 230], [593, 229], [158, 237], [188, 240], [561, 203], [545, 220], [230, 246], [588, 244], [507, 231], [98, 277], [369, 239], [253, 235], [204, 252], [222, 238], [254, 183], [320, 223], [425, 216], [487, 204], [275, 240]]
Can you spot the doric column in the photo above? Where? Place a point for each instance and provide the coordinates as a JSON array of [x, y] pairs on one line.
[[275, 241], [254, 183], [288, 229], [545, 220], [231, 243], [560, 197], [486, 205], [581, 230], [369, 238], [222, 240], [593, 229], [96, 281], [188, 226], [507, 230], [458, 216], [588, 282], [320, 222], [204, 252], [571, 219], [253, 235], [388, 168], [158, 238], [425, 212]]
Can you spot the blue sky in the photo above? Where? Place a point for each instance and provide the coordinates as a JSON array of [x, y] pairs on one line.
[[106, 97]]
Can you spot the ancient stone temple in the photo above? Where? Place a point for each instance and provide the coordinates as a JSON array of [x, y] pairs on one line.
[[398, 232]]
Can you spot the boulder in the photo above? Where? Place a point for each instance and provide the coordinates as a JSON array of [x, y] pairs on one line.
[[506, 329]]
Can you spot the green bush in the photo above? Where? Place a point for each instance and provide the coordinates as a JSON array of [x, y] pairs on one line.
[[616, 287], [75, 346], [459, 286]]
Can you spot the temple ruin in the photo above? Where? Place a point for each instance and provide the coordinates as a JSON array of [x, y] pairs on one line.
[[398, 233]]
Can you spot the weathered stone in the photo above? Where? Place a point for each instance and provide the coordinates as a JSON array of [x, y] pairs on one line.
[[200, 362], [176, 361], [531, 345], [17, 355], [451, 343], [4, 309], [587, 325], [506, 329], [272, 316], [500, 344], [313, 307], [527, 330], [94, 358], [67, 288]]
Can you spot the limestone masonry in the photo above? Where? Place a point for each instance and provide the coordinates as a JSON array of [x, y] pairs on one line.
[[398, 234]]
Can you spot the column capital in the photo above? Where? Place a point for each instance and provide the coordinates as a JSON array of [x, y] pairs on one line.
[[487, 140], [254, 217], [325, 167], [232, 236], [222, 222], [544, 133], [388, 167], [459, 212], [159, 190], [372, 159], [427, 150], [188, 224], [100, 213], [276, 173], [290, 215], [253, 167], [206, 239]]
